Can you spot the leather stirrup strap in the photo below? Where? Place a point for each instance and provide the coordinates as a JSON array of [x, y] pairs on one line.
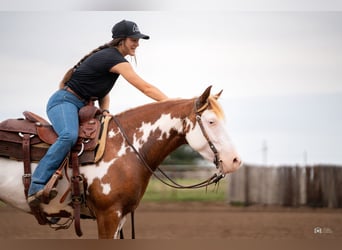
[[27, 178], [27, 163], [54, 181], [76, 194]]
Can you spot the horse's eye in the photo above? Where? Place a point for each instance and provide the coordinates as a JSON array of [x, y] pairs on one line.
[[211, 122]]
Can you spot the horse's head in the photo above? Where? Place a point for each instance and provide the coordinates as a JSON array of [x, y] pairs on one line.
[[208, 135]]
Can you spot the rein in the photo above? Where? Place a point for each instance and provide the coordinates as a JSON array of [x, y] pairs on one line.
[[214, 179]]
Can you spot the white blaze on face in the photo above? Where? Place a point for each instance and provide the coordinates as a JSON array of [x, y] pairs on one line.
[[215, 129]]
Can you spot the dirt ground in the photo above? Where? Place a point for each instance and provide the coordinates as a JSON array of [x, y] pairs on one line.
[[194, 221]]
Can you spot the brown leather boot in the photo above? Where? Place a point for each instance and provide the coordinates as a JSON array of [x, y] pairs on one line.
[[35, 199]]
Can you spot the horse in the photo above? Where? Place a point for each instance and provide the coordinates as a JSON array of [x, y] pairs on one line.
[[138, 140]]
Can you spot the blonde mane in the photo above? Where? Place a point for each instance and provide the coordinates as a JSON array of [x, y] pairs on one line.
[[214, 105]]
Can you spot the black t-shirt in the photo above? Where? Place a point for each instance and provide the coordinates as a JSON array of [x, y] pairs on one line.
[[93, 78]]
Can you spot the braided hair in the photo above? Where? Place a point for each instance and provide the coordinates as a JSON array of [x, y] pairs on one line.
[[114, 43]]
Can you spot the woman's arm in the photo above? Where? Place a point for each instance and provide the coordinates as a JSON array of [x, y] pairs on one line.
[[104, 103], [126, 70]]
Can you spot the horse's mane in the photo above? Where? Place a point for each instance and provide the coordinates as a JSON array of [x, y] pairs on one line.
[[215, 106]]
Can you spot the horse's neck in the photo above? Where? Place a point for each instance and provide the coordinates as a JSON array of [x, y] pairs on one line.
[[153, 133]]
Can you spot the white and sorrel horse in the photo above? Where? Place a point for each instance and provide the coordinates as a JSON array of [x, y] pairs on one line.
[[117, 183]]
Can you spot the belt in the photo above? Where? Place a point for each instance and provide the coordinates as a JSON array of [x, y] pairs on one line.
[[66, 88]]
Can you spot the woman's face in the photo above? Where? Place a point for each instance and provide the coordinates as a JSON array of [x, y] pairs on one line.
[[129, 46]]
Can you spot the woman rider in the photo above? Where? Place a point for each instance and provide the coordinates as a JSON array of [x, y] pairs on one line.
[[93, 76]]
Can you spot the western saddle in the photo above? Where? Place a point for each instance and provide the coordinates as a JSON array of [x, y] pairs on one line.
[[28, 139]]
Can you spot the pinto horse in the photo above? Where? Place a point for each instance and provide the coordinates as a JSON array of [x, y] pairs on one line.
[[141, 136]]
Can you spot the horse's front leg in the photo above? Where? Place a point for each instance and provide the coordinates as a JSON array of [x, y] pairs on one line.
[[109, 224]]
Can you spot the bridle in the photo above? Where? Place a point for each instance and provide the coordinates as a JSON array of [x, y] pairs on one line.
[[214, 179], [198, 110]]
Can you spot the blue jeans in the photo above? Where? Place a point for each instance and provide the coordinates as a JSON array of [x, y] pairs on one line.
[[62, 110]]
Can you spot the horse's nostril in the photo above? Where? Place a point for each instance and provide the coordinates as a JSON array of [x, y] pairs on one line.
[[236, 160]]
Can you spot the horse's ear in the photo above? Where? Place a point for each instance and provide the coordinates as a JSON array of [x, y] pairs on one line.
[[218, 94], [203, 98]]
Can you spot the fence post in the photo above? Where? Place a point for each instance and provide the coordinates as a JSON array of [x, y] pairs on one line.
[[246, 186], [338, 186], [237, 186], [302, 186], [329, 196], [296, 186], [287, 191]]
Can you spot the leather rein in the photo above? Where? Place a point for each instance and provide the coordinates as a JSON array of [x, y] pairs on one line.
[[214, 179]]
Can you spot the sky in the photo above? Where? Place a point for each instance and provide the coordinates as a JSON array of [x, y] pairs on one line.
[[280, 69]]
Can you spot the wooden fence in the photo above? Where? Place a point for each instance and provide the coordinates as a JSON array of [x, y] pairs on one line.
[[315, 186]]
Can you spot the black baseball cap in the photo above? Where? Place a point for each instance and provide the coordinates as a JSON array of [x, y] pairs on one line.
[[127, 29]]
